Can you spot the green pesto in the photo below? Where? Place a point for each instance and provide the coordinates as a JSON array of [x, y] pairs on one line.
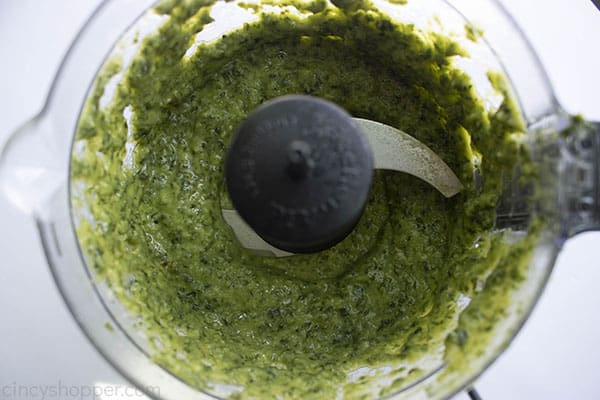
[[473, 33], [295, 327]]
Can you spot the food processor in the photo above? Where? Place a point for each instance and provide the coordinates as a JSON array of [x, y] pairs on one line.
[[35, 176]]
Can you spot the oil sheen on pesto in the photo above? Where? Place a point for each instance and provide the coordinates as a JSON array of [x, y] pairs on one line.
[[387, 296]]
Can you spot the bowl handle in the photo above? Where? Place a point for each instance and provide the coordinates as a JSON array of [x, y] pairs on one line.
[[580, 178], [30, 168]]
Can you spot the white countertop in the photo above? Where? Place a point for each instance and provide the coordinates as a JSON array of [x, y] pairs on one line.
[[556, 356]]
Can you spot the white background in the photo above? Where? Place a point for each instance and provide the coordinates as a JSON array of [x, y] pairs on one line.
[[556, 356]]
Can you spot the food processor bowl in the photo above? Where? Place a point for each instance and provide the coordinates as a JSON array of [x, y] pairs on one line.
[[563, 200]]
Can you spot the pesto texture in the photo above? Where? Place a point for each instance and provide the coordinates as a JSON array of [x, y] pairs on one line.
[[148, 169]]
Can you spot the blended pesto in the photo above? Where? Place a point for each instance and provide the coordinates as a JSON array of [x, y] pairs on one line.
[[148, 170]]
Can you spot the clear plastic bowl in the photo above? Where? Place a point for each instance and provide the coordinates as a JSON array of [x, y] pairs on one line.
[[34, 174]]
